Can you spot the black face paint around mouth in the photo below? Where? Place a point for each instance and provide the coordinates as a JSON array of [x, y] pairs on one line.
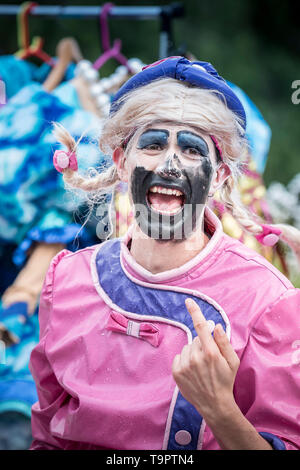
[[193, 182]]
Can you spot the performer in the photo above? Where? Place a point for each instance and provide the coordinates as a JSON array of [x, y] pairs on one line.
[[176, 336]]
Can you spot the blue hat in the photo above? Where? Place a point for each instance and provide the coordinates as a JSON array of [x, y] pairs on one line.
[[199, 74]]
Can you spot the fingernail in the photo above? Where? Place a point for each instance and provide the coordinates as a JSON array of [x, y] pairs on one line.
[[220, 330], [189, 302]]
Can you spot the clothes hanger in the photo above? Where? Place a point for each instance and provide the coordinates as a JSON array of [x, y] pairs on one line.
[[100, 89], [67, 51], [35, 49], [108, 51]]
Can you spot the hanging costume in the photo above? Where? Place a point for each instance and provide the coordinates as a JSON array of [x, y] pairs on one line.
[[24, 73], [36, 208], [110, 331], [35, 205]]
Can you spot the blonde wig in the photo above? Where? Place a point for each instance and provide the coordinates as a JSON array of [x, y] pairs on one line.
[[169, 100]]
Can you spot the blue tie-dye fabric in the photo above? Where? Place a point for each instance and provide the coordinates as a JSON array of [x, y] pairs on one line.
[[32, 192], [24, 72]]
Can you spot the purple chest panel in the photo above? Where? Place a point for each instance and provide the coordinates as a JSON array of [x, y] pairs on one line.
[[167, 304]]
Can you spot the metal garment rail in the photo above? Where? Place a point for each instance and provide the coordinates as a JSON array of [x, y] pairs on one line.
[[164, 13]]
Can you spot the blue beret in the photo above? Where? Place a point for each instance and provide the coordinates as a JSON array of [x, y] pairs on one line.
[[199, 74]]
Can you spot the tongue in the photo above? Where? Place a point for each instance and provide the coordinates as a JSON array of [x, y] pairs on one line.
[[164, 202]]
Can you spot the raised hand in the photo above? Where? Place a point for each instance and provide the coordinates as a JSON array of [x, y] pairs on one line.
[[205, 370]]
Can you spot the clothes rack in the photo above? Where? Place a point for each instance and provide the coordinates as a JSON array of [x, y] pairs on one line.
[[165, 14]]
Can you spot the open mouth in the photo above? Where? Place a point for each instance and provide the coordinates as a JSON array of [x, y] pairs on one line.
[[165, 200]]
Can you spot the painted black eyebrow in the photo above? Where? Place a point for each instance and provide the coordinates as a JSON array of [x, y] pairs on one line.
[[189, 139], [151, 136]]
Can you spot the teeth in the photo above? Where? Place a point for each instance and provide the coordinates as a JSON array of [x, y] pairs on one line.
[[159, 189], [169, 212]]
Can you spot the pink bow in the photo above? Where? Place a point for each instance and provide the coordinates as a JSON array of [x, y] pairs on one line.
[[63, 160], [142, 330], [269, 236]]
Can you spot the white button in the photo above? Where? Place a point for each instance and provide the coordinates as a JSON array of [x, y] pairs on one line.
[[183, 438], [199, 67]]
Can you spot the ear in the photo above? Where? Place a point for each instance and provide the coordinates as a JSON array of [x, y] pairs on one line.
[[121, 163], [223, 172]]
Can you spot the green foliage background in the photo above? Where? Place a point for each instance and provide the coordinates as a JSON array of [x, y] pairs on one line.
[[254, 44]]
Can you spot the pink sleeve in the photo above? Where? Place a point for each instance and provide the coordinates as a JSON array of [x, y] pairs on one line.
[[50, 393], [267, 383]]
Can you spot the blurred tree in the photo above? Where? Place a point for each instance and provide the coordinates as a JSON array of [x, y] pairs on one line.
[[254, 44]]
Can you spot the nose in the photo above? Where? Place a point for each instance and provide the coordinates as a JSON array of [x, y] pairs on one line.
[[170, 168]]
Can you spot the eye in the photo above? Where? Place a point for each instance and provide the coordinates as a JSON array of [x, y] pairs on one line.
[[192, 145], [193, 152], [153, 146], [153, 140]]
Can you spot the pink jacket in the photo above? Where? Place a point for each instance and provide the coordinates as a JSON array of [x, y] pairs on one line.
[[109, 331]]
